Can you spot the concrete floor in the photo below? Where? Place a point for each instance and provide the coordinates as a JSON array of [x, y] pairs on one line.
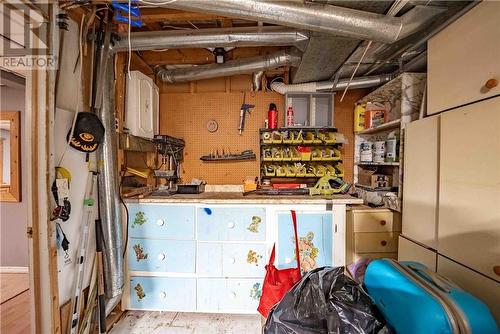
[[139, 322]]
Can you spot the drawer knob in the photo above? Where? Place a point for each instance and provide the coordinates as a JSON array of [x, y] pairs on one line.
[[231, 225], [160, 222], [383, 222], [232, 260], [163, 295], [383, 243], [496, 270], [491, 83], [161, 256], [232, 295]]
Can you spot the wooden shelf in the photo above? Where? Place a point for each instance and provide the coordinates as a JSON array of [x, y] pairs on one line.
[[132, 143], [377, 163], [370, 188], [384, 127]]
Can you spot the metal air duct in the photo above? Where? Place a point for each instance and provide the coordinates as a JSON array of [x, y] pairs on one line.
[[211, 38], [109, 201], [232, 67], [319, 17], [361, 82]]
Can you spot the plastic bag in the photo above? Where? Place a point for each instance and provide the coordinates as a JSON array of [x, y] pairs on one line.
[[325, 301]]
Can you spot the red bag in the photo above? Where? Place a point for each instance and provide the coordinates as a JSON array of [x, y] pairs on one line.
[[278, 282]]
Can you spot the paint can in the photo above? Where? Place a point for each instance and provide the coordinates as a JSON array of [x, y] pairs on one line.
[[366, 153], [390, 150], [379, 151]]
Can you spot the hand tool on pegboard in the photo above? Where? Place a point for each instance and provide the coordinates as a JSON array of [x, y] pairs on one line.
[[245, 108]]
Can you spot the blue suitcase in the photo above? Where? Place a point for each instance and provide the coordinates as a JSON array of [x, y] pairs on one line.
[[415, 300]]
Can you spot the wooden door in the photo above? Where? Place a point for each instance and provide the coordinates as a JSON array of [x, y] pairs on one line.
[[469, 185], [420, 189], [463, 57]]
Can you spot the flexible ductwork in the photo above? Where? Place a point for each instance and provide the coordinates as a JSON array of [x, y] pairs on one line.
[[362, 82], [109, 202], [211, 38], [257, 80], [233, 67], [319, 17]]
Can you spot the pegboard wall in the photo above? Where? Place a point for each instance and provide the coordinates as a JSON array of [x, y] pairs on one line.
[[185, 111]]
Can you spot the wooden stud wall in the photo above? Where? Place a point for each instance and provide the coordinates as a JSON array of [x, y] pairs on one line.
[[186, 108]]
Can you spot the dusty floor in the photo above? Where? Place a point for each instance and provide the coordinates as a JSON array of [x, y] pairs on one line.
[[135, 322]]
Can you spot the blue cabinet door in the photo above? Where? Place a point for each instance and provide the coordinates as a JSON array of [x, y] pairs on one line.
[[228, 295], [162, 255], [209, 259], [163, 293], [231, 223], [315, 240], [161, 221]]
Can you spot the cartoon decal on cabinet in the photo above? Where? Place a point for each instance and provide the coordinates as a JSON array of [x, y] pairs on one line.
[[256, 291], [139, 291], [308, 252], [139, 253], [140, 219], [254, 225], [253, 257]]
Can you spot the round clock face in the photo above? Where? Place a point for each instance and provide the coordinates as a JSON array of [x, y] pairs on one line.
[[212, 125]]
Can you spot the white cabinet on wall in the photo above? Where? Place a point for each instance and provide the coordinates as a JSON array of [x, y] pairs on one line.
[[463, 57], [469, 185], [420, 192], [142, 109]]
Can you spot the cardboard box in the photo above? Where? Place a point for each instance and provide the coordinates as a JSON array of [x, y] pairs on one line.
[[371, 178], [381, 181]]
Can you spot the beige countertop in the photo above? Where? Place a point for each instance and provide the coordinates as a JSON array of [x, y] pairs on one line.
[[238, 198]]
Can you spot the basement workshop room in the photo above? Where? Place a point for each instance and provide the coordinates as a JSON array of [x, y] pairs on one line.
[[250, 166]]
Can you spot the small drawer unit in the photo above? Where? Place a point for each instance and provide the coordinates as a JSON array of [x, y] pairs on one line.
[[228, 295], [231, 260], [161, 221], [231, 223], [162, 293], [177, 256], [372, 233]]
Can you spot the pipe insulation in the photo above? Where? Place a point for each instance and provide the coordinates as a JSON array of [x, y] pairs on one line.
[[109, 201], [310, 87], [318, 17], [211, 38], [257, 81], [281, 58]]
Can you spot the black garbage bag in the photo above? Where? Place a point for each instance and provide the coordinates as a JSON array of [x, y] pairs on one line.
[[325, 301]]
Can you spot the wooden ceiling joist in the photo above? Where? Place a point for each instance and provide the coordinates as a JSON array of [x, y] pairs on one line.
[[172, 15]]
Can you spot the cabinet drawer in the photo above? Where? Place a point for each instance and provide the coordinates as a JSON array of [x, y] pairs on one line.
[[231, 223], [161, 221], [375, 242], [162, 255], [315, 231], [374, 221], [410, 251], [480, 286], [228, 295], [231, 260], [163, 294]]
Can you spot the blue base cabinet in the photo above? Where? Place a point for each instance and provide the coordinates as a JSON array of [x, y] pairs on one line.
[[212, 258]]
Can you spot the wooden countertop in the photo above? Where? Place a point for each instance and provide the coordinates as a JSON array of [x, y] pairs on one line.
[[237, 197]]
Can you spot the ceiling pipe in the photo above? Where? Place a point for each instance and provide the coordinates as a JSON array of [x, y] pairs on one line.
[[281, 58], [319, 17], [310, 87], [211, 38], [257, 81]]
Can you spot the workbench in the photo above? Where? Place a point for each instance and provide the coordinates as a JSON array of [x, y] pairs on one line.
[[207, 252]]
